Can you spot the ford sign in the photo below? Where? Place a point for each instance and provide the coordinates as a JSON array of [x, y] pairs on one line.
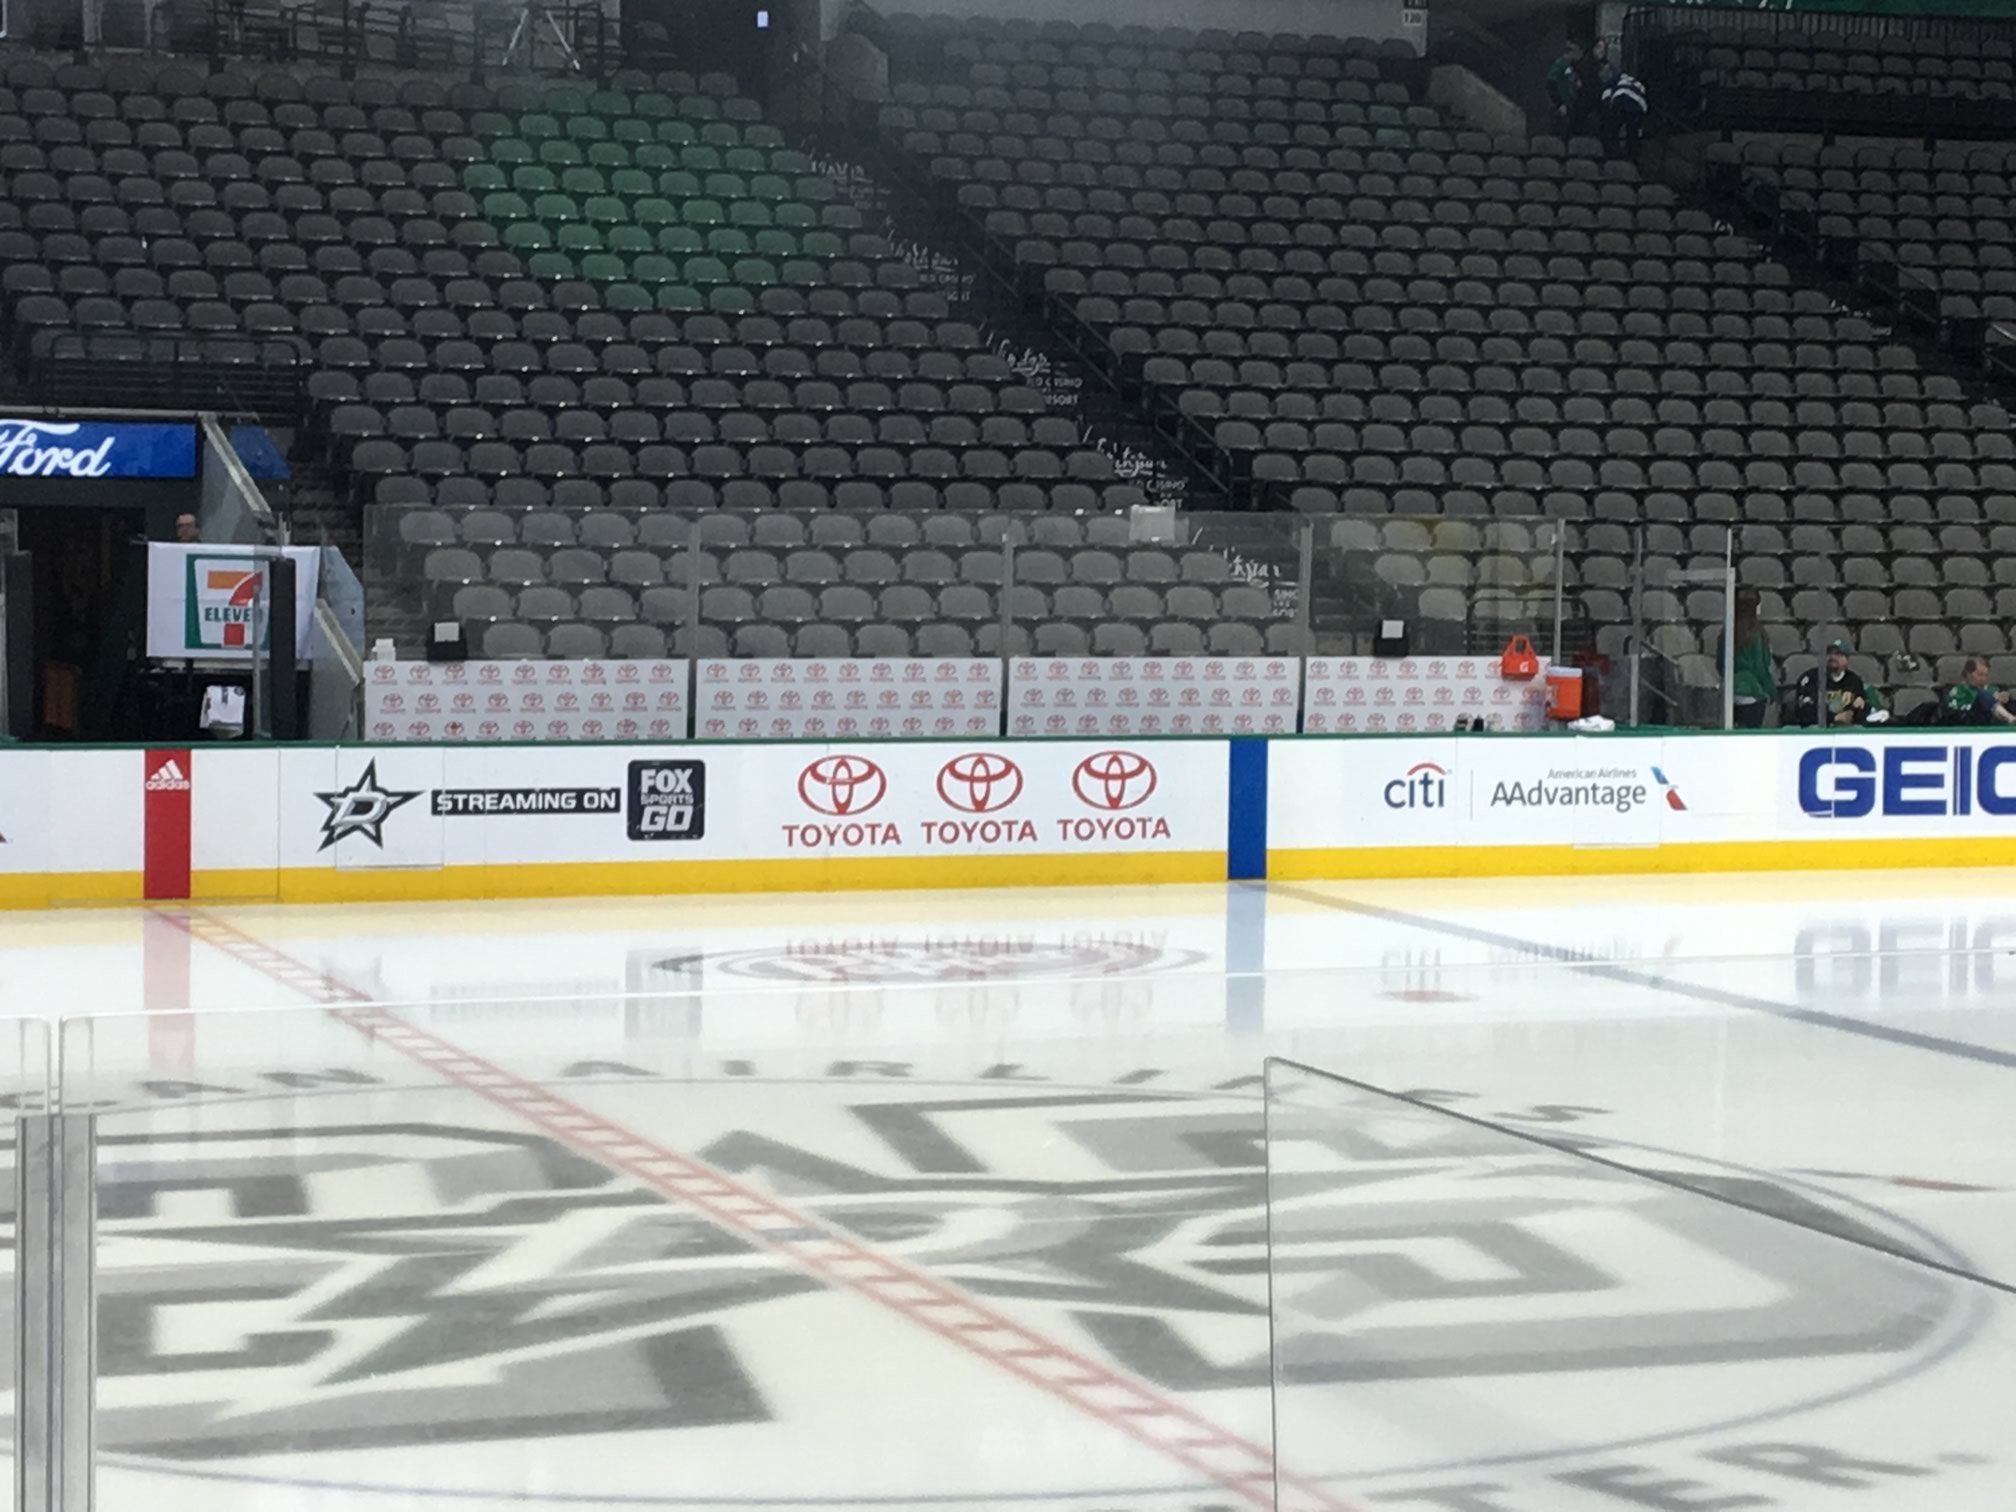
[[84, 449]]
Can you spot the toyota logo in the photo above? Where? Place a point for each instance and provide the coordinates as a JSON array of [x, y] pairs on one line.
[[1114, 780], [979, 782], [842, 785]]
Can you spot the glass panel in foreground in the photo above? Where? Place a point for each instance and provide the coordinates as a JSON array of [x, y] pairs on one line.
[[25, 1046], [1466, 1319]]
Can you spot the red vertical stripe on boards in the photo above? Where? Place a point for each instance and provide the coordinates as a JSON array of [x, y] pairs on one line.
[[165, 868]]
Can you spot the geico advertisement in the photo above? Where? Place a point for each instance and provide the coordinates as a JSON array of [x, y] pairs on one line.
[[434, 806], [1597, 791], [1920, 782]]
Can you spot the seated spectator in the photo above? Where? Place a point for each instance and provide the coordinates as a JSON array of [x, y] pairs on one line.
[[1831, 688], [1974, 700], [1623, 113]]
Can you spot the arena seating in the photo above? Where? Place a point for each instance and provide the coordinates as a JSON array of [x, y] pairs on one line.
[[1927, 231], [631, 372], [1731, 68], [1834, 64], [1366, 309], [563, 287]]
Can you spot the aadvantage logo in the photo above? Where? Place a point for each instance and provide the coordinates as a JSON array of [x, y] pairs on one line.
[[219, 594]]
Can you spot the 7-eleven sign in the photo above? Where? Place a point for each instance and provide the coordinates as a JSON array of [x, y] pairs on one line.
[[219, 598]]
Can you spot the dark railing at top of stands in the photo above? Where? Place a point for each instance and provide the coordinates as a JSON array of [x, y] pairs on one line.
[[1667, 46], [450, 36], [241, 376]]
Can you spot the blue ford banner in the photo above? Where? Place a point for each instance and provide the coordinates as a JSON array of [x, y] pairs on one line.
[[95, 449]]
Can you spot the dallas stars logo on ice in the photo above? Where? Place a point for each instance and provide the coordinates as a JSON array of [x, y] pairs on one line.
[[361, 809]]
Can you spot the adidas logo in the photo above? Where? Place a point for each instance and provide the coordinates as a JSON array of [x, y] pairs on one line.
[[168, 778]]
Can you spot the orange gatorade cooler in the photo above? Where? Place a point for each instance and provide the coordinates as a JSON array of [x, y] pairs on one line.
[[1564, 692]]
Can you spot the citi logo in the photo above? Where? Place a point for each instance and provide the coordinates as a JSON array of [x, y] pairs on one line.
[[1425, 786]]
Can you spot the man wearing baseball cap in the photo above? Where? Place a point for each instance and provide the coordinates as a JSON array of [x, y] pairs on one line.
[[1831, 693]]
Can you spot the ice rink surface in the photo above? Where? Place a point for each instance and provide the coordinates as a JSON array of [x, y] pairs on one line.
[[1677, 1194]]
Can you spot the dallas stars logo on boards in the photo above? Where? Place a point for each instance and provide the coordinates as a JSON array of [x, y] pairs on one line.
[[361, 809]]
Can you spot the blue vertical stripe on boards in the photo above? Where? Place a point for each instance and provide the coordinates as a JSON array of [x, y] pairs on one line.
[[1246, 812]]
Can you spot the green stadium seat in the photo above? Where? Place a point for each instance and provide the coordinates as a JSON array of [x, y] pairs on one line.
[[654, 213], [556, 209], [579, 237], [501, 207], [548, 265]]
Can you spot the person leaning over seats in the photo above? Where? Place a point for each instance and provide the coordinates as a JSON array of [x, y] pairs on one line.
[[1834, 686], [1974, 700]]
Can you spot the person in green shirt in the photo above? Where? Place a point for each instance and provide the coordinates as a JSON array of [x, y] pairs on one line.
[[1756, 684], [1975, 700], [1564, 85]]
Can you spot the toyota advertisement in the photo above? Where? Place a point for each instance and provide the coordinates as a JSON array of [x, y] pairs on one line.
[[449, 806]]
